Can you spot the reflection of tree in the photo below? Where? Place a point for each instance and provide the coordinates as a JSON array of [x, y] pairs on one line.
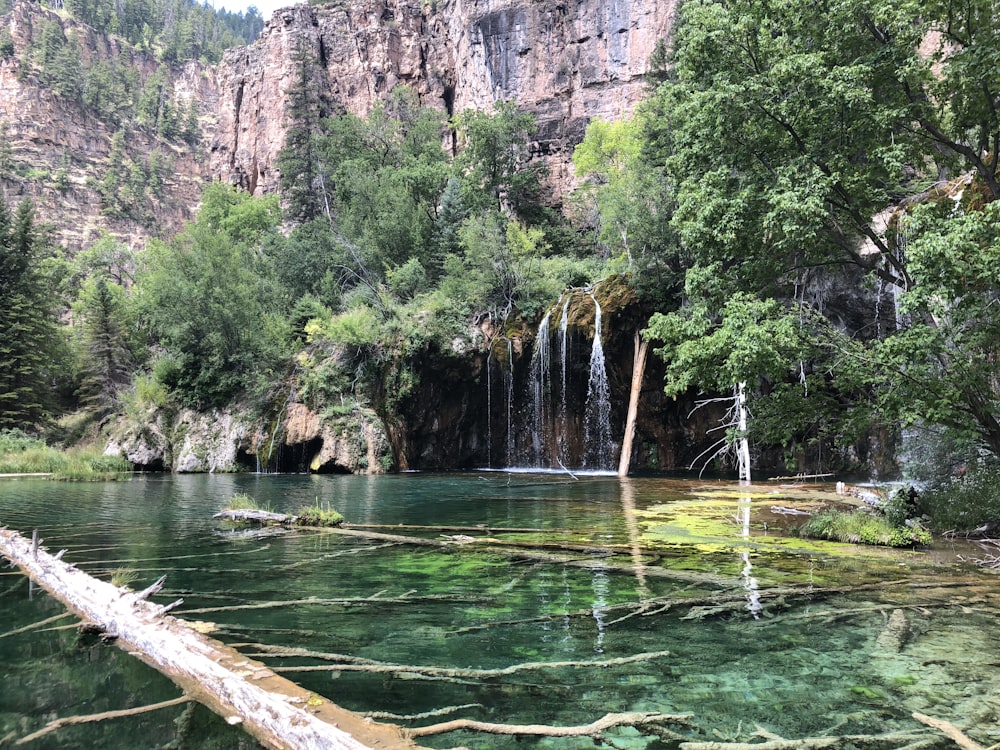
[[749, 582], [632, 525]]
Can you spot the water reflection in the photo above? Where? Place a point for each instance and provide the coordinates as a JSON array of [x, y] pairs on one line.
[[750, 584], [815, 664]]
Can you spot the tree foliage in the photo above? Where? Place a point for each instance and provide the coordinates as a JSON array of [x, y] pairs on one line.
[[211, 299], [789, 132], [27, 323]]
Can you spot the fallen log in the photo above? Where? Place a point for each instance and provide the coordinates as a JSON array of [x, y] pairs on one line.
[[264, 517], [595, 730], [277, 712]]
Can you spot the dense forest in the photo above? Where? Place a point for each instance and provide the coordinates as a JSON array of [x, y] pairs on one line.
[[783, 151]]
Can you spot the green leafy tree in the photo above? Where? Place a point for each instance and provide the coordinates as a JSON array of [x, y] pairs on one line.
[[628, 204], [386, 173], [211, 299], [495, 161], [786, 130]]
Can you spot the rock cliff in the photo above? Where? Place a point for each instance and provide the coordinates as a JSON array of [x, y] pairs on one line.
[[230, 440], [564, 62], [59, 148]]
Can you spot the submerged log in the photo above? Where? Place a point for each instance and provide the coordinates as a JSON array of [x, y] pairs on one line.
[[277, 712], [263, 517]]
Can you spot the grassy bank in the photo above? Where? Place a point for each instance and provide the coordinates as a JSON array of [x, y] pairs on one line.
[[23, 454]]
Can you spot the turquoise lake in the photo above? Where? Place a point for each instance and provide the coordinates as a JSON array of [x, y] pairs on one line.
[[762, 632]]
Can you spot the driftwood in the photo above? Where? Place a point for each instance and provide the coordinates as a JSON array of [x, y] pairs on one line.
[[35, 625], [542, 552], [256, 516], [481, 529], [639, 719], [635, 390], [68, 721], [952, 732], [210, 672], [772, 742], [353, 664]]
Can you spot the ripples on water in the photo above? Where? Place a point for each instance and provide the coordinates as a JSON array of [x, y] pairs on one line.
[[808, 666]]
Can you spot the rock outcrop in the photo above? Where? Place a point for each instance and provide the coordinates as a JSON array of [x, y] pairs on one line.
[[225, 441], [564, 62]]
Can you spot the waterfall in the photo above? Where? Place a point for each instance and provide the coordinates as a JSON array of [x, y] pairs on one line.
[[563, 423], [510, 403], [489, 407], [540, 388], [600, 448]]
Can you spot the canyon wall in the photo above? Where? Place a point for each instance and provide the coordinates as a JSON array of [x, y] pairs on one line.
[[566, 63], [59, 149]]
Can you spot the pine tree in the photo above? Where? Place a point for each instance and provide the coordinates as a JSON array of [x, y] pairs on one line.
[[107, 358], [27, 324], [298, 162]]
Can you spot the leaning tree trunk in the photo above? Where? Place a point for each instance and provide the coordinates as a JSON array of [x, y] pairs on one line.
[[276, 711], [638, 370]]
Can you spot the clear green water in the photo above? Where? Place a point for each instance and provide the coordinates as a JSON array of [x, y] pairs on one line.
[[806, 666]]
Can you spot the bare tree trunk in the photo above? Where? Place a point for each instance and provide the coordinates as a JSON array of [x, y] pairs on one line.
[[743, 447], [638, 369], [277, 712]]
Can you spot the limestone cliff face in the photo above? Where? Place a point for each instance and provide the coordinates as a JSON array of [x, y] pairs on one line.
[[564, 62]]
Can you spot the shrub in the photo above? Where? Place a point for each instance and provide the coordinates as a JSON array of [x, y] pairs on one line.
[[864, 527], [965, 502]]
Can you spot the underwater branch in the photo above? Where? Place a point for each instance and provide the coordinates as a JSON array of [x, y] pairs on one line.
[[277, 712]]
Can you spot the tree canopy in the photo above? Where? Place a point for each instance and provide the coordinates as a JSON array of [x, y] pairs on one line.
[[800, 139]]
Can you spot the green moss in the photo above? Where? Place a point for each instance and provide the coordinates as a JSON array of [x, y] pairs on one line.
[[864, 527], [315, 515]]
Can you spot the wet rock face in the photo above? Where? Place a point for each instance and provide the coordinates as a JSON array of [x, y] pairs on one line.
[[564, 62]]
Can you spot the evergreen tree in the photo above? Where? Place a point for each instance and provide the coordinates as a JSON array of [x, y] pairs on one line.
[[108, 361], [302, 180], [27, 324]]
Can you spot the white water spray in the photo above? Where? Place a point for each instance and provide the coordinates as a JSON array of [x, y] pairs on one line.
[[597, 422]]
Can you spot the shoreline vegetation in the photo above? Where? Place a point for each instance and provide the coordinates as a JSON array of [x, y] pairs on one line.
[[24, 456]]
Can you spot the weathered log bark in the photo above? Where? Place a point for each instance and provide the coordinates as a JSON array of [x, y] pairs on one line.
[[638, 370], [257, 516], [953, 733], [594, 729], [271, 708]]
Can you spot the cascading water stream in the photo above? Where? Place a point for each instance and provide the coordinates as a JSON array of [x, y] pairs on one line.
[[599, 445], [563, 422], [510, 403], [489, 407], [540, 391]]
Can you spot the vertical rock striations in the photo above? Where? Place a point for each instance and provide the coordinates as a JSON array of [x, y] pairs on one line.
[[564, 62]]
